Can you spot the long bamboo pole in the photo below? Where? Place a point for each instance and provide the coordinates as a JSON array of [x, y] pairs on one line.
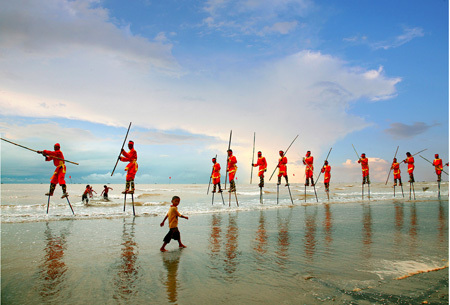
[[285, 152], [120, 153]]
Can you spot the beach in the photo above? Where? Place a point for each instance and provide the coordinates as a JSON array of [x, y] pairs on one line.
[[386, 250]]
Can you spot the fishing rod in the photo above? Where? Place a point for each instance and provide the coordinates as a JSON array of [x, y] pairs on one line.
[[391, 168], [229, 146], [120, 153], [39, 152], [416, 153], [324, 163], [285, 152], [433, 164], [253, 157]]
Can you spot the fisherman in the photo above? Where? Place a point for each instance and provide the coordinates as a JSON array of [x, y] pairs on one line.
[[216, 175], [438, 166], [309, 170], [326, 169], [410, 161], [365, 168], [131, 168], [231, 169], [282, 166], [262, 163], [60, 171], [396, 167]]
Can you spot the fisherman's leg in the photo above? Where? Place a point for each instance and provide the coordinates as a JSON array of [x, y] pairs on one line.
[[287, 182], [64, 189], [368, 180], [127, 187], [279, 179], [395, 182], [132, 186], [214, 188], [261, 181], [52, 189], [312, 181], [220, 188], [307, 181], [400, 181], [439, 178]]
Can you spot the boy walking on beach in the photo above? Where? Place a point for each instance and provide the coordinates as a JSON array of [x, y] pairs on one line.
[[173, 215]]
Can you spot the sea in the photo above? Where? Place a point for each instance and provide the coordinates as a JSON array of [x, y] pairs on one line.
[[284, 245]]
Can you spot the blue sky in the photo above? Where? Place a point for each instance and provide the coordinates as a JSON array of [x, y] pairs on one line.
[[369, 73]]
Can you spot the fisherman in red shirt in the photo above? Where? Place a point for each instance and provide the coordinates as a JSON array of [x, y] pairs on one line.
[[60, 171], [410, 161], [326, 169], [309, 170], [396, 167], [231, 169], [216, 175], [365, 168], [262, 163], [131, 168], [438, 166], [282, 166]]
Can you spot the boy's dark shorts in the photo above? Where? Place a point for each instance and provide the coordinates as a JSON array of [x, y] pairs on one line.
[[173, 234]]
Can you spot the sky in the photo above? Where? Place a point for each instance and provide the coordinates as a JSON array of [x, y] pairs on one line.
[[369, 75]]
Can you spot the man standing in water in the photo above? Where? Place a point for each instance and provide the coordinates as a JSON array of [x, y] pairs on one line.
[[326, 169], [216, 175], [60, 171], [262, 163], [396, 167], [437, 162], [282, 168], [309, 170], [365, 168], [131, 168], [410, 161], [231, 169]]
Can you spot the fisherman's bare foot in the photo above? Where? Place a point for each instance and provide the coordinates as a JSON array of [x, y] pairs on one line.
[[65, 195], [163, 250], [48, 194], [182, 246]]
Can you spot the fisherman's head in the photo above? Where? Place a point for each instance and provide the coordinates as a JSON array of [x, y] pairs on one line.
[[230, 152], [281, 153], [436, 156], [214, 160], [259, 154], [326, 162], [408, 154], [395, 159], [130, 144], [308, 153], [363, 155], [57, 146]]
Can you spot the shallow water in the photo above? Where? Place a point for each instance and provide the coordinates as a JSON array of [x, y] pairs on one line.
[[344, 252]]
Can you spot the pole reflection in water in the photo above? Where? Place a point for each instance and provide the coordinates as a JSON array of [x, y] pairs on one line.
[[442, 229], [367, 231], [171, 261], [328, 228], [231, 245], [52, 271], [260, 245], [283, 242], [128, 267], [413, 229], [310, 233], [398, 235]]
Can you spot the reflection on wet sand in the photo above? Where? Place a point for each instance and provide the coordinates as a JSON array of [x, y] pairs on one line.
[[328, 227], [261, 236], [215, 237], [171, 262], [283, 242], [128, 269], [52, 279], [399, 220], [310, 233], [442, 228], [367, 231], [413, 230], [231, 245]]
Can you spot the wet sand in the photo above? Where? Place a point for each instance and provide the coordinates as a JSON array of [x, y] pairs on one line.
[[339, 253]]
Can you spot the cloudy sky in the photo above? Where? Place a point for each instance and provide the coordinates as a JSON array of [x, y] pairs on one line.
[[369, 73]]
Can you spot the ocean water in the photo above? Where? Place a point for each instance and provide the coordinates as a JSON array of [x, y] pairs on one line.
[[346, 250]]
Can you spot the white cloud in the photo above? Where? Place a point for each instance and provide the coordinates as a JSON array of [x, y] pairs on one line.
[[57, 28], [407, 35]]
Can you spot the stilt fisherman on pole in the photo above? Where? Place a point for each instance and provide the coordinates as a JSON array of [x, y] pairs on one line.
[[131, 168], [60, 171]]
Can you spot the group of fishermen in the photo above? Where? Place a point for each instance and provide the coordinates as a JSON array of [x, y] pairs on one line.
[[132, 167]]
